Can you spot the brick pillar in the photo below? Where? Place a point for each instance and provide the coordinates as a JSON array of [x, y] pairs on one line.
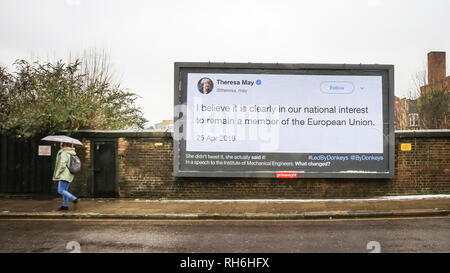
[[436, 66]]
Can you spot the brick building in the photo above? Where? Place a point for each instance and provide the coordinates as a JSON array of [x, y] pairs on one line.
[[437, 78], [406, 116], [436, 72], [165, 125]]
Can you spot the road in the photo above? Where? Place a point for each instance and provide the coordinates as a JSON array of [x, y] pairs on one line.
[[425, 234]]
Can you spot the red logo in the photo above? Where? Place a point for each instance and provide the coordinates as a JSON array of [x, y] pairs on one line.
[[287, 175]]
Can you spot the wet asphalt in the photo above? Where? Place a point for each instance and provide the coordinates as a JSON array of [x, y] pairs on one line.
[[405, 235]]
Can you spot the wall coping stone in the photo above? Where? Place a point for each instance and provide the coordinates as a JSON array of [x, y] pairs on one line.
[[122, 133], [437, 133]]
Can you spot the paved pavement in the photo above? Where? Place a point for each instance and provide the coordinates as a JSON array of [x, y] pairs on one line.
[[28, 207]]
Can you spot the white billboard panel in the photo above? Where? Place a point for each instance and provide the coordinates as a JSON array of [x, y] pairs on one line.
[[285, 114]]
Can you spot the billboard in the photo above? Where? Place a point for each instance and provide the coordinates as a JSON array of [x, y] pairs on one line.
[[283, 120]]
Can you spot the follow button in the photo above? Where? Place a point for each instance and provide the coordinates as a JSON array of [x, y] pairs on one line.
[[332, 87]]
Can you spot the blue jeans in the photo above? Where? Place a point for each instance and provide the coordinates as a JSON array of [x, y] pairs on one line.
[[63, 186]]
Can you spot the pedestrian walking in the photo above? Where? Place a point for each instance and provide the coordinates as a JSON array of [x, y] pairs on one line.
[[63, 175]]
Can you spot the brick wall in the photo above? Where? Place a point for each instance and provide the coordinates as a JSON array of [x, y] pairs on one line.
[[145, 161]]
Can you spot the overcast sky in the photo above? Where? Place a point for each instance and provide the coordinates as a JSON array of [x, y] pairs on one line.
[[145, 38]]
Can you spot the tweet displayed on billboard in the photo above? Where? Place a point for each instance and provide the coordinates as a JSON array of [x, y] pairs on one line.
[[282, 123]]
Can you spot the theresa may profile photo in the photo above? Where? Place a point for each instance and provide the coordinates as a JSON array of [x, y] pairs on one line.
[[205, 85]]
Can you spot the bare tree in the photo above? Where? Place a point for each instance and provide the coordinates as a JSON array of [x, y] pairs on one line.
[[96, 67], [417, 80]]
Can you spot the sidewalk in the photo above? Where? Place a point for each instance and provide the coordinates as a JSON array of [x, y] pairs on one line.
[[273, 209]]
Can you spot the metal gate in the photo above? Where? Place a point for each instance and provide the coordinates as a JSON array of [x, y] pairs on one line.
[[22, 170]]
